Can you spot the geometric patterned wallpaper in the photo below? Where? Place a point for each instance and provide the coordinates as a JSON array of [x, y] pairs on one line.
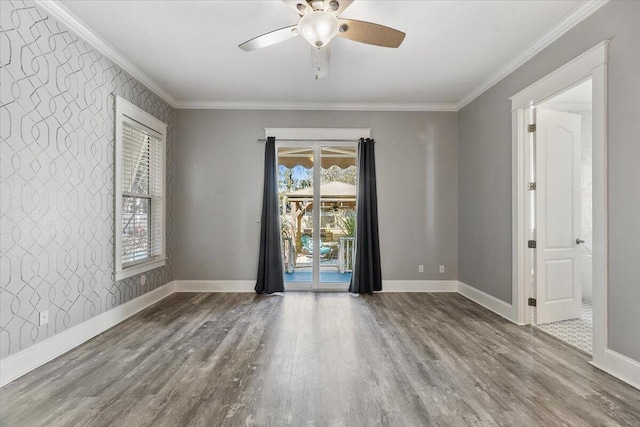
[[56, 170]]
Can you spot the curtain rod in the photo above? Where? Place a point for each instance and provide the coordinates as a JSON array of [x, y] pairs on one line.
[[310, 140]]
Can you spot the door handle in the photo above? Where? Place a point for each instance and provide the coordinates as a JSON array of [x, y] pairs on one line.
[[578, 241]]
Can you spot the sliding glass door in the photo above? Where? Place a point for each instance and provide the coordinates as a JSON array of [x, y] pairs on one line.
[[317, 194]]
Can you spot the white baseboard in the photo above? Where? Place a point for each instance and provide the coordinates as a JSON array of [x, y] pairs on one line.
[[18, 364], [490, 302], [620, 366], [419, 286], [215, 285]]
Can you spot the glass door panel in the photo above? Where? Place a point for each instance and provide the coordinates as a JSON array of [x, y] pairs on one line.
[[338, 176], [295, 190]]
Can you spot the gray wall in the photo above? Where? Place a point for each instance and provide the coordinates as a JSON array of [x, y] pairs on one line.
[[218, 186], [56, 179], [485, 169]]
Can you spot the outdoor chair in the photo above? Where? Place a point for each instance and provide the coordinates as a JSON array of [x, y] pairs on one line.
[[307, 245]]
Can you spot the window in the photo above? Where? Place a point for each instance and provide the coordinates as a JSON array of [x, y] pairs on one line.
[[139, 191]]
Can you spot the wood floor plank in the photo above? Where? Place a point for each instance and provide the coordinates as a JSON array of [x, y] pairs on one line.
[[319, 359]]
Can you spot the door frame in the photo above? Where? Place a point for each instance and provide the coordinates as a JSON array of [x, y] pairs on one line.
[[591, 64], [316, 138]]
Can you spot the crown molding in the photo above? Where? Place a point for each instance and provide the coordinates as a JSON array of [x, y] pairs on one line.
[[313, 106], [579, 14], [75, 24]]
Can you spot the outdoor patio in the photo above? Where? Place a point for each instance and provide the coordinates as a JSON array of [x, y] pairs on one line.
[[337, 207], [330, 271], [335, 265], [325, 277]]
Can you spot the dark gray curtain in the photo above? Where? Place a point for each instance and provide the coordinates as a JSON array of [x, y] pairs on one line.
[[366, 277], [270, 273]]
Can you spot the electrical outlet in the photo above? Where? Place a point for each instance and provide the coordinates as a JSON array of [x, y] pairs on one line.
[[143, 279], [44, 317], [421, 268], [442, 269]]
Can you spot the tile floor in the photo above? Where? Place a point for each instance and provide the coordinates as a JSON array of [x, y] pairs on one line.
[[576, 332]]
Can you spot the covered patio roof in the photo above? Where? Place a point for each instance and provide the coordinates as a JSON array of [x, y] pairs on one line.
[[329, 190], [343, 157]]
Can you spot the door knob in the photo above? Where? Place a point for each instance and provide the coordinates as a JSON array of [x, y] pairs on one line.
[[578, 241]]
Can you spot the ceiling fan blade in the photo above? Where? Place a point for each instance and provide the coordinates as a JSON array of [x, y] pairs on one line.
[[321, 61], [301, 7], [270, 38], [336, 6], [370, 33]]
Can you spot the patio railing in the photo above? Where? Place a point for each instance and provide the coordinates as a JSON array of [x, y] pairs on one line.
[[346, 254]]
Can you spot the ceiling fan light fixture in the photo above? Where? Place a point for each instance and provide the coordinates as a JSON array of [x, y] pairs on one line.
[[318, 27]]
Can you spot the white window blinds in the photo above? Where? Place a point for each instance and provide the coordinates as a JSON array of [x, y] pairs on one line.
[[142, 189], [139, 191]]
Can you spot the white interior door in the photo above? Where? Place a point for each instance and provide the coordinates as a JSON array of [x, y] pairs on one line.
[[558, 173]]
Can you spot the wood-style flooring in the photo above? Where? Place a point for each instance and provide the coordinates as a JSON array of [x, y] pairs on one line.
[[323, 359]]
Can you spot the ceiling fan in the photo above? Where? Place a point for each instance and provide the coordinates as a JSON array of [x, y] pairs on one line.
[[319, 24]]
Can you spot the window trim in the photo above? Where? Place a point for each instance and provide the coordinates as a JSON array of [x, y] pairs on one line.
[[126, 111]]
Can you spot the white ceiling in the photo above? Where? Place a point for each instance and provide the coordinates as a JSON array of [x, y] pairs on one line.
[[189, 48]]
